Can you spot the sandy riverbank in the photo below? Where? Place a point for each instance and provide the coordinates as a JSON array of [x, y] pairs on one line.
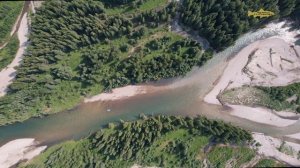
[[285, 114], [270, 148], [118, 93], [231, 73], [260, 115], [125, 92], [253, 66], [9, 73], [19, 150], [269, 62]]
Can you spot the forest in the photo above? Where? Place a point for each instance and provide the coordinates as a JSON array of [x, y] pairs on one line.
[[222, 22], [164, 141], [82, 48], [78, 50]]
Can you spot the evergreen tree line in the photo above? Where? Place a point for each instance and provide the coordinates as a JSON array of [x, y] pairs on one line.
[[173, 63], [58, 28], [136, 69], [113, 3], [282, 93], [152, 18], [162, 141], [129, 138], [222, 22]]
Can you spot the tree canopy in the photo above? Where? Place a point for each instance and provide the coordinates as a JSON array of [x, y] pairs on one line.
[[222, 22]]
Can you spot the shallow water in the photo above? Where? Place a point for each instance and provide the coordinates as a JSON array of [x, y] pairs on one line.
[[185, 98]]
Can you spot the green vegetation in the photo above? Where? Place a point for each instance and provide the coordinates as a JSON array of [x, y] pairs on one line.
[[269, 163], [277, 98], [154, 141], [280, 95], [286, 149], [81, 48], [252, 96], [9, 12], [286, 7], [235, 157], [78, 50], [222, 22], [136, 6], [8, 53]]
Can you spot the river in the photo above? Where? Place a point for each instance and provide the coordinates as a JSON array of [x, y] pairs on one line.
[[184, 98]]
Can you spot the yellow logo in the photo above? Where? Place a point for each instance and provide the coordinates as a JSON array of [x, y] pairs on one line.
[[261, 13]]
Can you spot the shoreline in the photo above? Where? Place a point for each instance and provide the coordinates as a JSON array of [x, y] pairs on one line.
[[19, 150], [124, 92], [234, 76], [269, 147], [117, 93]]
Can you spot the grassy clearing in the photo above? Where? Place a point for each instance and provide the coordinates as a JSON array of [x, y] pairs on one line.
[[129, 9], [9, 11], [278, 98], [159, 149], [219, 156], [252, 96], [152, 4], [8, 53]]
